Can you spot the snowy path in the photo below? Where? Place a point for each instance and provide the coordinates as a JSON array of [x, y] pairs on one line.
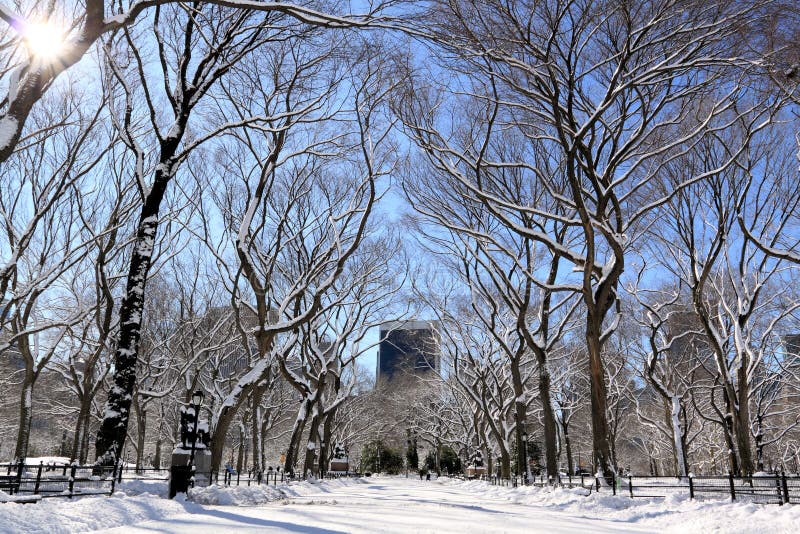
[[381, 505]]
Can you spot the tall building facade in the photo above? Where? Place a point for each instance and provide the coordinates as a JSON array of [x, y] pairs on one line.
[[407, 348], [791, 358]]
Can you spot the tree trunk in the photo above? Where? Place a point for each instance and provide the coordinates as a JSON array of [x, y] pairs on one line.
[[759, 444], [223, 423], [677, 436], [256, 423], [312, 449], [520, 411], [742, 421], [505, 463], [242, 441], [25, 415], [568, 447], [601, 447], [157, 454], [84, 453], [550, 433], [81, 430], [730, 434], [141, 427], [159, 437], [327, 431], [114, 427], [292, 451]]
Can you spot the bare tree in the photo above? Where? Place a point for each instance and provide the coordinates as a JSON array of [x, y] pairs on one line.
[[45, 186], [43, 41], [731, 282], [605, 96], [298, 205]]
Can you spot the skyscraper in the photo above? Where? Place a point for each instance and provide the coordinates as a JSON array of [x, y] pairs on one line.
[[407, 348], [791, 344]]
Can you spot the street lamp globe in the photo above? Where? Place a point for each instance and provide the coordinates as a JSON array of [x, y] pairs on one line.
[[197, 398]]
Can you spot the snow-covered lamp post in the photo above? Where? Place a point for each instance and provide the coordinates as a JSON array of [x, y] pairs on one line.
[[524, 451], [197, 401], [191, 458], [321, 460]]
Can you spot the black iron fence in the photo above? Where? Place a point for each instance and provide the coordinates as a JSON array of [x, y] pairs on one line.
[[31, 482], [41, 480], [252, 477], [27, 482], [777, 488]]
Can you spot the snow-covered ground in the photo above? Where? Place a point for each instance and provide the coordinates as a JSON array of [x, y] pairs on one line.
[[388, 505]]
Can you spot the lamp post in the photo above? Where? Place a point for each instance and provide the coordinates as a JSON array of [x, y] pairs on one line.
[[322, 459], [197, 401], [378, 452], [525, 455], [408, 448]]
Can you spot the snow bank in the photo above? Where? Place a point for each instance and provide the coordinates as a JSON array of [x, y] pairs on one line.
[[140, 500], [236, 495], [135, 501], [675, 513], [159, 488], [253, 495], [57, 516]]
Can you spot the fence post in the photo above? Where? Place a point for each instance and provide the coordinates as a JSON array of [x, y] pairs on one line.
[[733, 488], [691, 486], [597, 482], [630, 485], [72, 471], [20, 469], [785, 487], [38, 479], [238, 477], [778, 487]]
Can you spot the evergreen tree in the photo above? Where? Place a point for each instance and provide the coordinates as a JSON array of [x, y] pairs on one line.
[[412, 456], [379, 458]]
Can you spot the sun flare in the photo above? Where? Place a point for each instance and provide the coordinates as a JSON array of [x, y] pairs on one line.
[[45, 40]]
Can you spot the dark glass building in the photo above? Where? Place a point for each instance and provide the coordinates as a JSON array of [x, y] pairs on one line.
[[407, 348]]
